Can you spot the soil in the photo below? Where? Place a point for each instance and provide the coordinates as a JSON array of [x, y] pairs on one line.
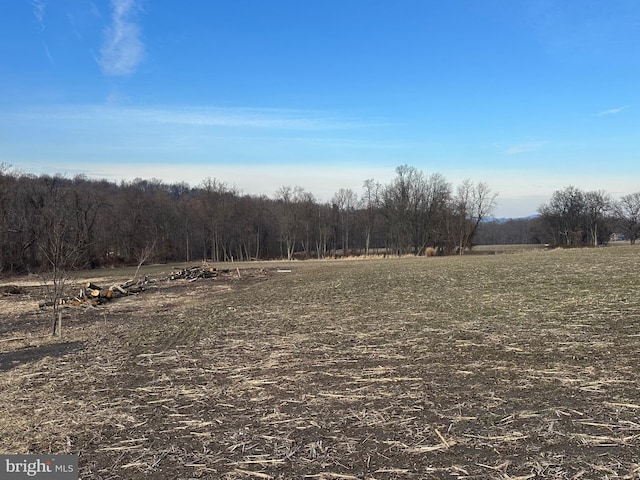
[[499, 367]]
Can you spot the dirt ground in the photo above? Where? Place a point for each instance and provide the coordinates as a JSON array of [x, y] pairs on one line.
[[510, 366]]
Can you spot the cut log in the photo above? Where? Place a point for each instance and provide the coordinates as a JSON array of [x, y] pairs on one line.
[[76, 302]]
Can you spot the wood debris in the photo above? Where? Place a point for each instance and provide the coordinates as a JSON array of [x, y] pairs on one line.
[[92, 294], [193, 273]]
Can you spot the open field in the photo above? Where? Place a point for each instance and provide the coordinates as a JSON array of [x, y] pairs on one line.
[[510, 366]]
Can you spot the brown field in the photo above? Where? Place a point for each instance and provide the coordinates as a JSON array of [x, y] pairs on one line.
[[511, 366]]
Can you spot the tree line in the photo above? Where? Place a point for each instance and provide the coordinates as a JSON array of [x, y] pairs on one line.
[[574, 218], [54, 222]]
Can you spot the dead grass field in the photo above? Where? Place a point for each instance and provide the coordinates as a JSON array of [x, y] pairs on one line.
[[510, 366]]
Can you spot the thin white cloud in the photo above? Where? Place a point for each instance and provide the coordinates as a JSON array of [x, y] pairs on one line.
[[524, 148], [74, 26], [611, 111], [38, 7], [47, 52], [227, 118], [122, 48], [251, 118], [256, 118], [252, 179]]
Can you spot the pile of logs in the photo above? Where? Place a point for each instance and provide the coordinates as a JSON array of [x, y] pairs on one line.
[[92, 291], [194, 273], [92, 294]]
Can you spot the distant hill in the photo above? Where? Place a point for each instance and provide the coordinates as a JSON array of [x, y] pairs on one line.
[[505, 219], [508, 231]]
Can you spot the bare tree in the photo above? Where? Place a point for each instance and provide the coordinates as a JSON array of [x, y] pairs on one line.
[[324, 230], [370, 203], [142, 255], [305, 205], [434, 210], [414, 205], [287, 219], [56, 241], [215, 209], [4, 209], [564, 214], [400, 202], [627, 213], [472, 204], [345, 200], [597, 205]]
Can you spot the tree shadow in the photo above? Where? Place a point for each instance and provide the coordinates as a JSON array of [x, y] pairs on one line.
[[9, 360]]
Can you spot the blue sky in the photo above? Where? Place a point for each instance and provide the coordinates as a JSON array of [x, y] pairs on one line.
[[529, 96]]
